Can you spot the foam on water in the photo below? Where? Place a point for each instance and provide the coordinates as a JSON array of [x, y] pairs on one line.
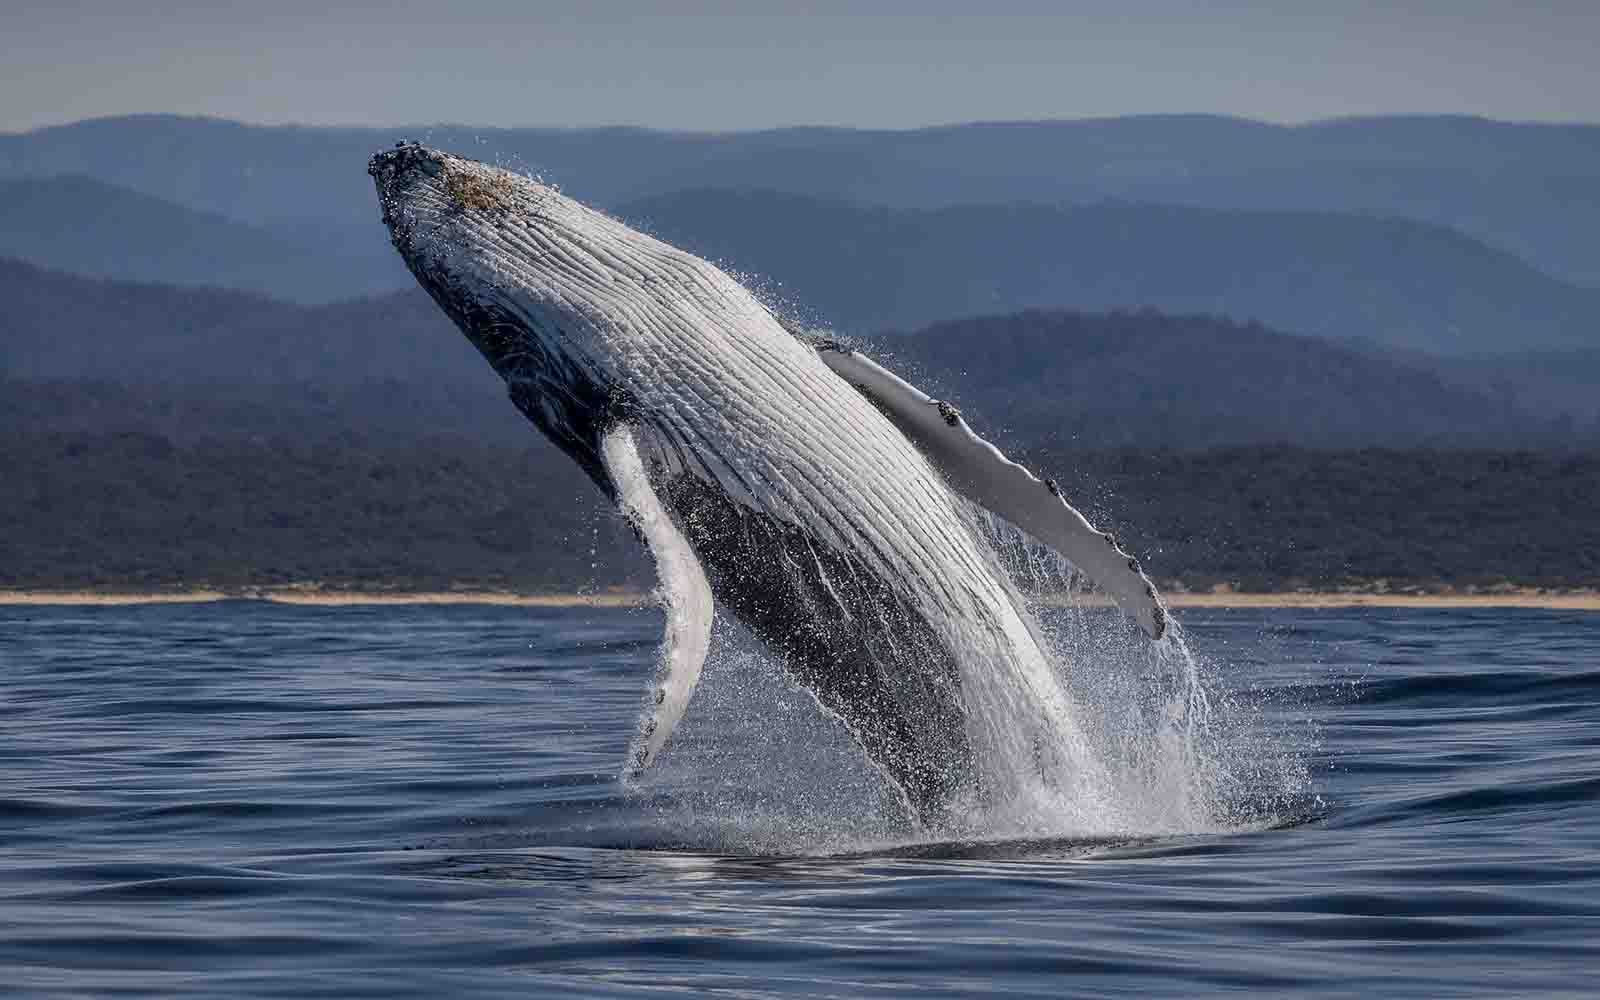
[[1144, 747]]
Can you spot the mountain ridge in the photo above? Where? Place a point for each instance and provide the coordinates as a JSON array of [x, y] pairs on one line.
[[1140, 378], [1525, 187], [77, 223], [865, 267], [1400, 282]]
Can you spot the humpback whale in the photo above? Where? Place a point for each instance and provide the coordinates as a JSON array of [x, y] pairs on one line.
[[791, 481]]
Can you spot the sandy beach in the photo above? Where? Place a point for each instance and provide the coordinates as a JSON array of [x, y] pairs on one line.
[[332, 598], [1572, 600]]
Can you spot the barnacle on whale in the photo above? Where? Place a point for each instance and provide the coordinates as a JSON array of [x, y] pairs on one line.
[[480, 191]]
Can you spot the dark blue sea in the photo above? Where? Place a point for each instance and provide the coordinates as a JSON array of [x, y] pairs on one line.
[[248, 799]]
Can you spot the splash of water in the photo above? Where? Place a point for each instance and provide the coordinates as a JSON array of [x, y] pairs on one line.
[[1178, 752], [1122, 738]]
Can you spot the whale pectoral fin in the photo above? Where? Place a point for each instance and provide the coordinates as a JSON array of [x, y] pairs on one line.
[[683, 592], [979, 471]]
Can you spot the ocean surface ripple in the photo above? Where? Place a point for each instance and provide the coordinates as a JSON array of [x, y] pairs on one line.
[[252, 799]]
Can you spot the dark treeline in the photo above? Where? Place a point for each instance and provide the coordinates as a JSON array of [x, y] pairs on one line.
[[140, 510], [1271, 518], [137, 510]]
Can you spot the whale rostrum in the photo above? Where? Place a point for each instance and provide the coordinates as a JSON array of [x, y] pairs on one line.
[[787, 480]]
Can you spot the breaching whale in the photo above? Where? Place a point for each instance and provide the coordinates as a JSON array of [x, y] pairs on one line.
[[791, 481]]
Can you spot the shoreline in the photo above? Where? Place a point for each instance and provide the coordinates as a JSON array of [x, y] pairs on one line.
[[1573, 600], [322, 598]]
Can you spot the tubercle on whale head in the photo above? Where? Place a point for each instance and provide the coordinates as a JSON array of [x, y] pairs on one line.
[[441, 211], [471, 184]]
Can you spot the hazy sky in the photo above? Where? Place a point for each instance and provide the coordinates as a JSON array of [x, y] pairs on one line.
[[703, 65]]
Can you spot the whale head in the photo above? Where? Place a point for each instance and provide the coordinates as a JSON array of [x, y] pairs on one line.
[[510, 260], [427, 194], [449, 217]]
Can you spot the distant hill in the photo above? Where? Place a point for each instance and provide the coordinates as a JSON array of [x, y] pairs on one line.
[[1350, 228], [89, 227], [1403, 284], [1561, 384], [1078, 381], [440, 414], [65, 326], [1526, 188], [1556, 382], [393, 365]]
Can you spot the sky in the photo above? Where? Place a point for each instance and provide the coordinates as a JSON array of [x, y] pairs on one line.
[[725, 66]]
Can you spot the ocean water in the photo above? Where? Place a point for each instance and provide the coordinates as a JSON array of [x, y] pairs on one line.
[[246, 799]]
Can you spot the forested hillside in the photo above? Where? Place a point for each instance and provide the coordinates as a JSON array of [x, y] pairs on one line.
[[1108, 380], [137, 510], [129, 509], [1284, 518], [154, 436]]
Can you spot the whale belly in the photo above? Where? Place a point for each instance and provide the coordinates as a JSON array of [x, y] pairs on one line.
[[853, 639]]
